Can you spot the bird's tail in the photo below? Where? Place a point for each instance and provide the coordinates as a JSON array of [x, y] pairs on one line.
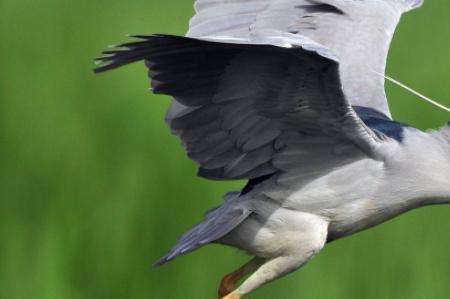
[[159, 50], [219, 221]]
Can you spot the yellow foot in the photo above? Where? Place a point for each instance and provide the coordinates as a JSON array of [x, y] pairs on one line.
[[232, 296]]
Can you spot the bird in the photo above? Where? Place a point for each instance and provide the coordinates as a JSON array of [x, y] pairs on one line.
[[289, 96]]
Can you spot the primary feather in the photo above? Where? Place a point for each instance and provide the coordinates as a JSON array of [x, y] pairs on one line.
[[241, 100]]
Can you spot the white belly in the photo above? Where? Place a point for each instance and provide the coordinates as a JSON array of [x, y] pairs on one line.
[[275, 231]]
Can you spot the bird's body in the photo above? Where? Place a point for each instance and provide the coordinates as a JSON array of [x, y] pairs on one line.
[[354, 197], [289, 94]]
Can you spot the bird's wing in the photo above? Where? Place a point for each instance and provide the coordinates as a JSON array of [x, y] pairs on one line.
[[243, 107], [359, 32]]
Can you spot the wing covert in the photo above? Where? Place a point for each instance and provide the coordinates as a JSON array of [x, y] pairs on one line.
[[240, 107], [359, 32]]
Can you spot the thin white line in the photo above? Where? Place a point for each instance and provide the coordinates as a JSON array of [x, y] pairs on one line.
[[415, 92]]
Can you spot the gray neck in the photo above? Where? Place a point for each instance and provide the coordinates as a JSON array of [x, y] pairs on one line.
[[420, 172]]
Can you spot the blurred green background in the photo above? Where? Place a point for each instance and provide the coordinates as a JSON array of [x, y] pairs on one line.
[[93, 188]]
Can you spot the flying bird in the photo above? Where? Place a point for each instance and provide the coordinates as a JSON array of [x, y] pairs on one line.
[[289, 95]]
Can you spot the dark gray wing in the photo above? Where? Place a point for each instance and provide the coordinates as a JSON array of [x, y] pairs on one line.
[[359, 32], [239, 107]]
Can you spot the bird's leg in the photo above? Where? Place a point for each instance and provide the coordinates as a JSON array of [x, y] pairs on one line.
[[292, 249], [228, 282], [269, 271]]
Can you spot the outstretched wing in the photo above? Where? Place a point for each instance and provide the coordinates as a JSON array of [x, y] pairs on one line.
[[243, 107], [359, 32]]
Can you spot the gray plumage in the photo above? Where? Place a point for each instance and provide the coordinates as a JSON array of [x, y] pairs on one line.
[[289, 94], [358, 32]]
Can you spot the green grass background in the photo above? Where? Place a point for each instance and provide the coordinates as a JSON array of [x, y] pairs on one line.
[[93, 188]]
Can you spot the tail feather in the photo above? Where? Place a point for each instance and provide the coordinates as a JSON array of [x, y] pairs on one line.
[[218, 223], [161, 54]]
